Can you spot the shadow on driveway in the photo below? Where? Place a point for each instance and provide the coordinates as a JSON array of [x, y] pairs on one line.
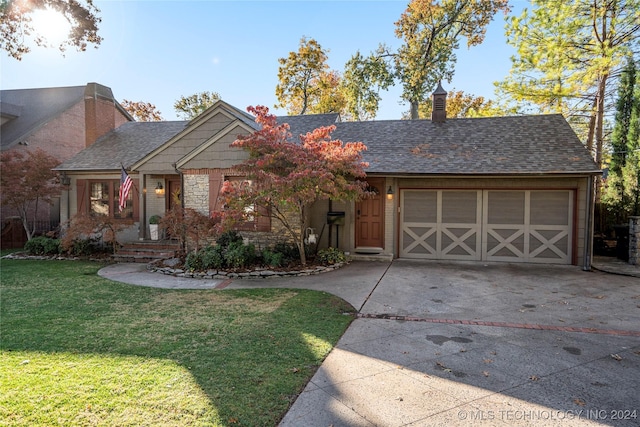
[[436, 370]]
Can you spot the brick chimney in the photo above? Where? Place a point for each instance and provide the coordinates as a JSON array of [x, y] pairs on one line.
[[99, 112], [439, 105]]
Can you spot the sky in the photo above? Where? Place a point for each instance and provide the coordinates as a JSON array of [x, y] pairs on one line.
[[157, 51]]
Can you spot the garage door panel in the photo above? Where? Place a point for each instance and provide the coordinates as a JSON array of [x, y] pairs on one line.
[[441, 224], [504, 243], [459, 241], [541, 217], [505, 207], [420, 206], [549, 208], [459, 207], [549, 244], [491, 225], [419, 241]]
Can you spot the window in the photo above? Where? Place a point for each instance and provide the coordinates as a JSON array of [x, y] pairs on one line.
[[255, 219], [249, 216], [104, 200]]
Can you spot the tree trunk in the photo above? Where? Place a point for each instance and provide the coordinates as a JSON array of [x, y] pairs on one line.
[[414, 110], [23, 213], [303, 227], [27, 230], [599, 131], [592, 126]]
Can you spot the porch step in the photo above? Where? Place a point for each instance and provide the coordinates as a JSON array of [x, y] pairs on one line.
[[145, 251], [370, 257]]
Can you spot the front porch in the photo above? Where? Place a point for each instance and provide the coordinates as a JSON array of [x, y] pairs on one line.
[[145, 251]]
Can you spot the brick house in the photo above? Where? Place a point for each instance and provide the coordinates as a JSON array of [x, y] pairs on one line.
[[62, 121], [515, 189]]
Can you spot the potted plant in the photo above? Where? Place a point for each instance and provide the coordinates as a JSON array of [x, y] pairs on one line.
[[153, 226]]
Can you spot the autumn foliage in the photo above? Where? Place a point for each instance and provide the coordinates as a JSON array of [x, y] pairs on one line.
[[142, 111], [27, 181], [16, 27], [188, 226], [85, 230], [287, 176]]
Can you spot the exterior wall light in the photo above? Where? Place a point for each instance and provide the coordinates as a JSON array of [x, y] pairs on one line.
[[390, 193], [65, 180], [159, 189]]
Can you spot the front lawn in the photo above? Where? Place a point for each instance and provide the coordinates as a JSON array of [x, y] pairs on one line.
[[77, 349]]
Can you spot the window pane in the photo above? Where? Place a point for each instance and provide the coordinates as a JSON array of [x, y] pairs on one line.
[[249, 210], [100, 198]]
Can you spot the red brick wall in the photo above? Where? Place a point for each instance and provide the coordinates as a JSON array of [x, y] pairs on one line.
[[99, 118], [120, 119], [65, 135], [62, 137]]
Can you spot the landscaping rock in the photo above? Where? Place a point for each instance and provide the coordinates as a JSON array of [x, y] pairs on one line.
[[171, 262], [257, 273]]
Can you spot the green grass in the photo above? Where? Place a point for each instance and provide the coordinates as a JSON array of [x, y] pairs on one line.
[[77, 349]]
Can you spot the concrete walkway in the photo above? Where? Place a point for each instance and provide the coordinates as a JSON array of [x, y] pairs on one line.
[[615, 266], [457, 343]]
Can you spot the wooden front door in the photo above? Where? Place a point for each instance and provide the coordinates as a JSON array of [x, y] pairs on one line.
[[173, 193], [370, 217]]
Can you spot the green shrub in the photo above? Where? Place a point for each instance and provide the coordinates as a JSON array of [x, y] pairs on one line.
[[228, 237], [212, 257], [155, 219], [273, 259], [238, 255], [290, 253], [85, 247], [42, 246], [193, 261], [331, 256]]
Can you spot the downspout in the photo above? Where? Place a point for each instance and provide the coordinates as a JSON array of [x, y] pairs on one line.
[[330, 226], [588, 229], [142, 202]]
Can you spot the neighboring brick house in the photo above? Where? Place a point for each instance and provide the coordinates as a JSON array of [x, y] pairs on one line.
[[515, 189], [62, 121]]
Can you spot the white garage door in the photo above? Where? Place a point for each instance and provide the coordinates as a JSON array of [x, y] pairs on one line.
[[491, 225]]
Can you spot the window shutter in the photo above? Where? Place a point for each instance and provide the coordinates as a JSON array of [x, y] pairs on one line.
[[215, 181], [263, 222], [82, 198]]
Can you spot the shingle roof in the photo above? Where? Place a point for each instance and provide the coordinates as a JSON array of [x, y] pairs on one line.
[[481, 146], [134, 140], [299, 125], [127, 144], [31, 108], [478, 146]]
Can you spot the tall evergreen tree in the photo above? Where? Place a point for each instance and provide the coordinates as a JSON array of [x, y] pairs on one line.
[[567, 54], [622, 190], [631, 170]]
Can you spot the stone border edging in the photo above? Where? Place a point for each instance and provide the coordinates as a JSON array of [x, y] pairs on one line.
[[254, 274]]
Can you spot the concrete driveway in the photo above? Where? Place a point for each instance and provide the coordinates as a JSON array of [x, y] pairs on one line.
[[465, 344], [456, 343]]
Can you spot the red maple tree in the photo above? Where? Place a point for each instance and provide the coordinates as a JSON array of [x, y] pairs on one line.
[[27, 181], [285, 177]]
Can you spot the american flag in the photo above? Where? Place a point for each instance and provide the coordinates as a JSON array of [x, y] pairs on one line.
[[125, 187]]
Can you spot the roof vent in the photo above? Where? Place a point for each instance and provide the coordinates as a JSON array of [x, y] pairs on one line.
[[439, 104]]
